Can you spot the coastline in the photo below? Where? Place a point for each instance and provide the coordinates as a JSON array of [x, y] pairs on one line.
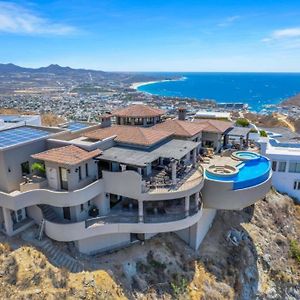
[[136, 85]]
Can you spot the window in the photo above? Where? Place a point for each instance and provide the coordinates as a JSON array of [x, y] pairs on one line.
[[282, 166], [274, 165], [297, 185], [79, 173], [25, 168], [294, 167], [89, 203], [81, 207], [86, 170]]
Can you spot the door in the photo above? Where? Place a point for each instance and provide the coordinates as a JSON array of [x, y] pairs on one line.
[[63, 173], [52, 178], [67, 213]]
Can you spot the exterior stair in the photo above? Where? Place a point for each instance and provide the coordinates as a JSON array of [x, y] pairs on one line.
[[59, 258], [41, 230], [48, 213]]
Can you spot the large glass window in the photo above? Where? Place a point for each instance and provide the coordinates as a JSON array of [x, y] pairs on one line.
[[282, 166], [274, 165], [294, 167]]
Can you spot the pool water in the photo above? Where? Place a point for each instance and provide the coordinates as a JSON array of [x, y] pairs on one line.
[[245, 155], [251, 172]]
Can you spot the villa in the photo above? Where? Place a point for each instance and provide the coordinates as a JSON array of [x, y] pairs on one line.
[[132, 176]]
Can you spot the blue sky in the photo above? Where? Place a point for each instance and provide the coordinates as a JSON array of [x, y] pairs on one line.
[[153, 35]]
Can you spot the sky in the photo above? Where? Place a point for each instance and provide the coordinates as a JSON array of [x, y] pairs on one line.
[[153, 35]]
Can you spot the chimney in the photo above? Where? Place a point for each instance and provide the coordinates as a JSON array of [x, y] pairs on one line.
[[181, 113], [105, 120]]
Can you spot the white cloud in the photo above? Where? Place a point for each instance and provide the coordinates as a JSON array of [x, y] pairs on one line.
[[19, 20], [228, 21], [286, 33]]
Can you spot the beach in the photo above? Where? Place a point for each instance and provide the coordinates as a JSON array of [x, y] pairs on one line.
[[136, 85]]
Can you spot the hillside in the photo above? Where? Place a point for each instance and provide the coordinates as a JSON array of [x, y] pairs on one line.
[[293, 101], [261, 265]]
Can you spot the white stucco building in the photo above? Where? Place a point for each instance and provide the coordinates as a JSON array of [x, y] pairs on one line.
[[284, 155], [103, 186]]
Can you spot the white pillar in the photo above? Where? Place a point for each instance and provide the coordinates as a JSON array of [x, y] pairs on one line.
[[174, 179], [139, 171], [194, 156], [197, 200], [141, 212], [8, 223], [144, 122], [187, 205]]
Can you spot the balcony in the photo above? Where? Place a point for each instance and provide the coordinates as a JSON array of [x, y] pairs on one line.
[[187, 179]]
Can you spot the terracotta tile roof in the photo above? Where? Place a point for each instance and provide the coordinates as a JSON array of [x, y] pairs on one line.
[[214, 125], [180, 128], [138, 110], [129, 134], [68, 155]]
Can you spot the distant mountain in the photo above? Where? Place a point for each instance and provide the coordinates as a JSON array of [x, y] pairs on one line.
[[53, 68], [80, 75]]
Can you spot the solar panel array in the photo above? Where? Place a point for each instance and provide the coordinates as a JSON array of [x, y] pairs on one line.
[[12, 119], [20, 135], [75, 126]]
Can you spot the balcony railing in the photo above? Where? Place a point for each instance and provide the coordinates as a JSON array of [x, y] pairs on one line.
[[186, 181], [112, 219]]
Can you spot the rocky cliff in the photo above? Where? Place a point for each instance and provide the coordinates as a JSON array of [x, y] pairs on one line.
[[249, 254]]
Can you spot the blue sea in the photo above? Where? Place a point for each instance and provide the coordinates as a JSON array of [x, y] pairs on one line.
[[258, 90]]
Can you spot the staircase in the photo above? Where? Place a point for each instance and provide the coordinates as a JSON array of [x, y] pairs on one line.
[[59, 258], [48, 213], [41, 230]]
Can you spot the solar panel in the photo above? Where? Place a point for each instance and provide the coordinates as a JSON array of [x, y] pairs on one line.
[[75, 126], [20, 135]]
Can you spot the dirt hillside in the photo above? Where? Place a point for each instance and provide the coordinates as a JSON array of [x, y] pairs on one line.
[[249, 254]]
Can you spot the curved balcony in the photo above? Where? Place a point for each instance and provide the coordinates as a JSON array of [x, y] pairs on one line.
[[120, 223], [190, 183], [17, 199], [130, 184]]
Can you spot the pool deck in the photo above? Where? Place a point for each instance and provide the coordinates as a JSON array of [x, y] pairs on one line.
[[221, 161]]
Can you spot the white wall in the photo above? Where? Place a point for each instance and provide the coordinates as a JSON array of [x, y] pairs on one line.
[[102, 243]]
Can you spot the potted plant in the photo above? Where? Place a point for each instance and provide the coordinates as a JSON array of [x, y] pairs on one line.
[[94, 211]]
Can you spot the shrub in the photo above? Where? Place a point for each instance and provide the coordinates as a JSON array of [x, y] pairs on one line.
[[180, 288], [242, 122], [295, 250], [263, 133], [38, 168]]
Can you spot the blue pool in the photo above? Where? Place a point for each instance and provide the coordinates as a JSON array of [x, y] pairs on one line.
[[245, 155], [251, 172]]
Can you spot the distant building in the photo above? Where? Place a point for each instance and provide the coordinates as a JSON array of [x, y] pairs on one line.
[[212, 115], [11, 121]]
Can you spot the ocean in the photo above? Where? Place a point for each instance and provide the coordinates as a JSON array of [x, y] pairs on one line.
[[260, 91]]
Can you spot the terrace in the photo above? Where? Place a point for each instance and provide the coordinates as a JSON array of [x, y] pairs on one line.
[[167, 167]]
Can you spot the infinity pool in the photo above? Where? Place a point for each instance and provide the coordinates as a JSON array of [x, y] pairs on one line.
[[251, 172]]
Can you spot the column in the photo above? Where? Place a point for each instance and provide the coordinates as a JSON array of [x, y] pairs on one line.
[[139, 170], [141, 211], [144, 122], [197, 200], [173, 164], [187, 205], [132, 121], [8, 223], [194, 153]]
